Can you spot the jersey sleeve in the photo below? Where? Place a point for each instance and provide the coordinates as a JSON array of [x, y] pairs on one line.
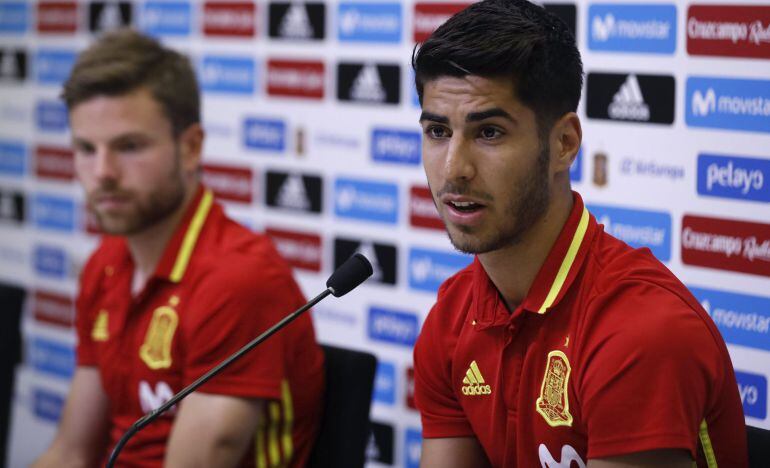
[[440, 411], [229, 309], [649, 373]]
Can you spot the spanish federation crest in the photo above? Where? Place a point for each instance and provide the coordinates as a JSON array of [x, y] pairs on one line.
[[553, 403], [156, 349]]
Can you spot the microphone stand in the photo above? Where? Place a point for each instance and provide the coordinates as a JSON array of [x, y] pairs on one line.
[[152, 415]]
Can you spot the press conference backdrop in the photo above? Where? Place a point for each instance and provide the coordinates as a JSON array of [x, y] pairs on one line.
[[312, 136]]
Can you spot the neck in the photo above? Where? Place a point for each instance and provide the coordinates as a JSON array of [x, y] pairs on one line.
[[147, 246], [513, 268]]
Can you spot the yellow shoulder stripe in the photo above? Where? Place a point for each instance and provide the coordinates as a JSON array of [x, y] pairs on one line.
[[566, 264], [191, 236]]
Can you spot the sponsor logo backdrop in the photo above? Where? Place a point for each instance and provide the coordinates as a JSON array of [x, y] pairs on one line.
[[311, 117]]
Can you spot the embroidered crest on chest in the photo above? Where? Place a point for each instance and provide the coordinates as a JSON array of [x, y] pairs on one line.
[[553, 402], [156, 349]]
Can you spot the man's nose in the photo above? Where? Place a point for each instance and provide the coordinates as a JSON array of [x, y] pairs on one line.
[[459, 164], [106, 165]]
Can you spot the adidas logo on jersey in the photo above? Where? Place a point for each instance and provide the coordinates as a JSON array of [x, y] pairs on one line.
[[628, 103], [474, 382]]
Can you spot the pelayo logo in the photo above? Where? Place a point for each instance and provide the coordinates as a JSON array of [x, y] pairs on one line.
[[729, 103], [264, 134], [51, 116], [393, 326], [734, 177], [396, 146], [47, 405], [50, 261], [753, 390]]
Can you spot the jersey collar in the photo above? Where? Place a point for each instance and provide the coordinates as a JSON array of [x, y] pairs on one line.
[[178, 251], [552, 281]]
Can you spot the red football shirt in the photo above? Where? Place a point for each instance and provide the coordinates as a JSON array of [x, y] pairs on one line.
[[216, 287], [608, 354]]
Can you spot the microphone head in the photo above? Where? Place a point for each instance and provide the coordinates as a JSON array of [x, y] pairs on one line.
[[349, 275]]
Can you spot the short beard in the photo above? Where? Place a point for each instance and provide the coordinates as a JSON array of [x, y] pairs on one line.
[[160, 204], [523, 211]]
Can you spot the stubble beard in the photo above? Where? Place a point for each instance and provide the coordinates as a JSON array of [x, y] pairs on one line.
[[526, 207], [144, 212]]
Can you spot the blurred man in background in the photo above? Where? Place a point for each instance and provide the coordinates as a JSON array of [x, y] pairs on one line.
[[174, 286], [559, 345]]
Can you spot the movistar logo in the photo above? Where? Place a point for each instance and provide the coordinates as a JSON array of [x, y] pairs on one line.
[[474, 383]]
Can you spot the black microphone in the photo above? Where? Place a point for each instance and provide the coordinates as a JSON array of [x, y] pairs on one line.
[[348, 276]]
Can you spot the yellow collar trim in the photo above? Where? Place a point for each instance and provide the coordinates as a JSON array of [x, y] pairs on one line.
[[191, 236], [566, 264]]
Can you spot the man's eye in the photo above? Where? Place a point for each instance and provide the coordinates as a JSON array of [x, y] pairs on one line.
[[129, 146], [490, 133], [434, 131]]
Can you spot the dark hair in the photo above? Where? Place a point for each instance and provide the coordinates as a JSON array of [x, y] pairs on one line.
[[508, 38], [122, 61]]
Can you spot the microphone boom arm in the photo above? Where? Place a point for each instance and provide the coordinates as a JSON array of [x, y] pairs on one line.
[[152, 415]]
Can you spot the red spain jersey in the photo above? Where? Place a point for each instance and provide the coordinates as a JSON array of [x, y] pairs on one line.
[[217, 286], [608, 354]]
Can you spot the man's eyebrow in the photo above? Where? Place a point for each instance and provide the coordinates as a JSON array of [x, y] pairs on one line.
[[495, 112], [433, 117]]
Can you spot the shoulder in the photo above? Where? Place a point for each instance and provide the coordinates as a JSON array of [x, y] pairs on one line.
[[638, 302]]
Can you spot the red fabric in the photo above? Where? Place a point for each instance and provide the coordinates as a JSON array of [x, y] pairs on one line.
[[234, 287], [646, 363]]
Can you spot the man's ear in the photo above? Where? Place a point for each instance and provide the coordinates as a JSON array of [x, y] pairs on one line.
[[191, 147], [565, 139]]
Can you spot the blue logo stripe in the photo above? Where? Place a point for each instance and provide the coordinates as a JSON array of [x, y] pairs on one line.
[[13, 17], [753, 391], [734, 104], [742, 319], [734, 177], [429, 268], [637, 228], [632, 28], [369, 22], [166, 18], [13, 158]]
